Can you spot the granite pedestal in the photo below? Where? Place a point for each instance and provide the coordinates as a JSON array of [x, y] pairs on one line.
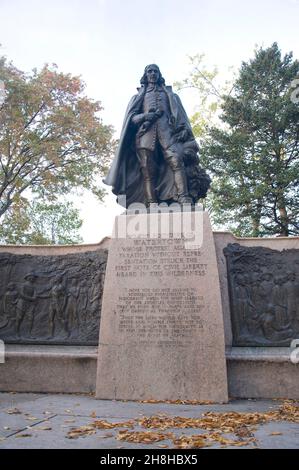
[[162, 333]]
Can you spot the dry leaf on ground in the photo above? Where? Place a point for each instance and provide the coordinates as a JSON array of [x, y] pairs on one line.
[[80, 432], [13, 411], [43, 428]]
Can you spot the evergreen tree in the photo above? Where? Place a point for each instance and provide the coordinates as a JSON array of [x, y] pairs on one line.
[[253, 156]]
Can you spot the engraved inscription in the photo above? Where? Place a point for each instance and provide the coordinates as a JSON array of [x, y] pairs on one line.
[[164, 315], [159, 257]]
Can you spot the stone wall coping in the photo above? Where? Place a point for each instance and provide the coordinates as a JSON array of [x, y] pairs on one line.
[[51, 351], [252, 354], [225, 232], [107, 239], [258, 354]]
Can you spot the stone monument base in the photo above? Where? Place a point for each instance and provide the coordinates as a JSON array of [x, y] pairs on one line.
[[252, 372], [261, 373], [162, 333]]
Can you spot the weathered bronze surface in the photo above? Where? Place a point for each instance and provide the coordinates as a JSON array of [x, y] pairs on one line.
[[264, 295], [157, 157], [51, 299]]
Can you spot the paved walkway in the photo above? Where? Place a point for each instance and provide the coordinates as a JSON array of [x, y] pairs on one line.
[[46, 421]]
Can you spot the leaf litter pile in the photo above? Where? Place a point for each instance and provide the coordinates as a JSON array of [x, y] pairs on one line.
[[180, 402], [215, 425], [98, 424]]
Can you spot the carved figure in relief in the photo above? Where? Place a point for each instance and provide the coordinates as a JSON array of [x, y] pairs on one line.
[[10, 299], [25, 304], [292, 298], [72, 315], [57, 307]]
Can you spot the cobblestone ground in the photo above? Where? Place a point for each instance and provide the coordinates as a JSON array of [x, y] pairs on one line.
[[48, 421]]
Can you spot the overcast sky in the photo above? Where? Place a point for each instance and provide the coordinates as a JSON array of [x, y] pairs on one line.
[[109, 42]]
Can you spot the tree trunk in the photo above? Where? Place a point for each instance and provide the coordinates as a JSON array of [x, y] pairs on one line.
[[284, 231], [255, 226], [256, 218]]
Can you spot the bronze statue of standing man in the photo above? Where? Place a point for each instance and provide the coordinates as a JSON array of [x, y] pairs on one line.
[[157, 159]]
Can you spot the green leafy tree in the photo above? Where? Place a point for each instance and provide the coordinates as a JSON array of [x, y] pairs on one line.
[[253, 156], [52, 138], [40, 223], [15, 223], [208, 91]]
